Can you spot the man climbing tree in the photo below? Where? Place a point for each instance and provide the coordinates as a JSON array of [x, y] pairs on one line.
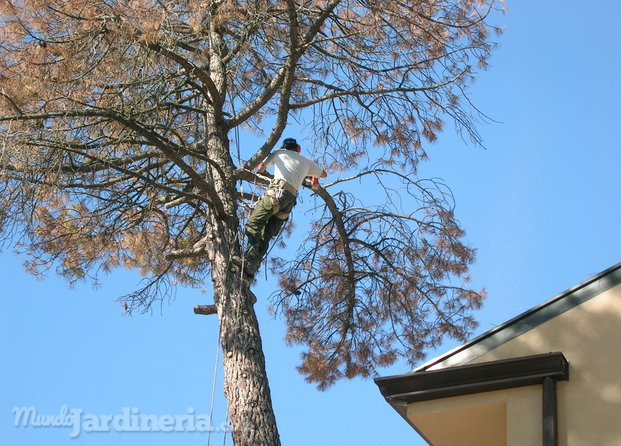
[[270, 213], [118, 148]]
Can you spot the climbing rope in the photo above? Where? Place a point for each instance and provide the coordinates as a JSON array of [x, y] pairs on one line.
[[213, 391], [225, 433]]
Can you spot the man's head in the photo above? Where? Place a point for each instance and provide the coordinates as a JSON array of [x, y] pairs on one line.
[[291, 144]]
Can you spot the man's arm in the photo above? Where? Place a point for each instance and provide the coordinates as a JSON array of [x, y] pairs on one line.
[[315, 170], [267, 162]]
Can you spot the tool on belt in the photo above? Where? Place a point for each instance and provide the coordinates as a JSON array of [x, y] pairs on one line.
[[275, 192]]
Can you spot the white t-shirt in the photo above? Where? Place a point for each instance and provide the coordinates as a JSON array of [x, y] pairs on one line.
[[292, 167]]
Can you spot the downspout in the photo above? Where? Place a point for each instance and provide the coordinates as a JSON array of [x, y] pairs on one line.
[[549, 413]]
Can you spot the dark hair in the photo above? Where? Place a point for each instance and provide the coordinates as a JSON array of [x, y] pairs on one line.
[[290, 144]]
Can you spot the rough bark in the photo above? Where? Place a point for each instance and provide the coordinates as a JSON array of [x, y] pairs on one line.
[[245, 378], [246, 385]]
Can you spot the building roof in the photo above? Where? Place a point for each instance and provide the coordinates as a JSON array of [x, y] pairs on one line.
[[474, 378], [453, 373], [527, 320]]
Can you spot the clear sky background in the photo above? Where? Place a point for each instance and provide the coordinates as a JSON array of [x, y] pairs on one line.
[[541, 204]]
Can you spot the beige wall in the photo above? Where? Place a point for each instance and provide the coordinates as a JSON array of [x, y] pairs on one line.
[[589, 404], [589, 336], [482, 419]]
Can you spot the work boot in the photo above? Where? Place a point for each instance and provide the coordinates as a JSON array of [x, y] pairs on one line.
[[237, 261], [237, 264]]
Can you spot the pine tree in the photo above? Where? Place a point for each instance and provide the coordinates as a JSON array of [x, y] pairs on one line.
[[116, 122]]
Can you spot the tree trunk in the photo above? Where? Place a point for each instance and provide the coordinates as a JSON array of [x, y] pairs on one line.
[[245, 378]]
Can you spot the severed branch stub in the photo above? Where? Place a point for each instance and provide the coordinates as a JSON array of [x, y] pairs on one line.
[[205, 309]]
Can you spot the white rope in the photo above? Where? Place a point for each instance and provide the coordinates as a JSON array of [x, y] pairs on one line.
[[243, 222], [213, 390], [226, 432]]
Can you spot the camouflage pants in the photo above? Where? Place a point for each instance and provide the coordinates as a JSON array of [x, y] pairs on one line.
[[265, 221]]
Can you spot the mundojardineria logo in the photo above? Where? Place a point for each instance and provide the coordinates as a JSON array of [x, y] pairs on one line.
[[129, 419]]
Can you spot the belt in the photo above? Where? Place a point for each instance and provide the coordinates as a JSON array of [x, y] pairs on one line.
[[282, 184]]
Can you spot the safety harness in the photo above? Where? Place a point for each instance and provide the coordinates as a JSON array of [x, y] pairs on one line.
[[275, 191]]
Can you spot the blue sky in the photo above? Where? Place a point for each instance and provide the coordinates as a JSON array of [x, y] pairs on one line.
[[540, 203]]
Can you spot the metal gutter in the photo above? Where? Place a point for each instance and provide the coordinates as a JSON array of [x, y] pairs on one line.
[[545, 370], [475, 378]]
